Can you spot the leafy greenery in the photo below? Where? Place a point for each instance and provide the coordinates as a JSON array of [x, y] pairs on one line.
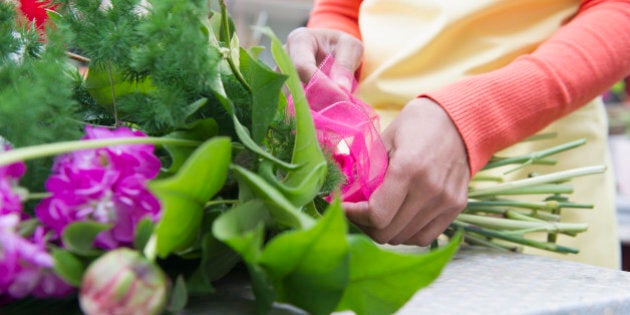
[[243, 181]]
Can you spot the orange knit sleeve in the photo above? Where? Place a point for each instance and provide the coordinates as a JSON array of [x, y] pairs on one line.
[[579, 62], [342, 15]]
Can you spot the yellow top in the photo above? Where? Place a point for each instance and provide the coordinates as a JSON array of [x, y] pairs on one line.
[[416, 46]]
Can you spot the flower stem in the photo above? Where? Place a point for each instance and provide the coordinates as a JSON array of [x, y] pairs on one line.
[[228, 42], [510, 224], [542, 205], [514, 239], [221, 202], [534, 157], [44, 150], [537, 180], [546, 216], [37, 196], [476, 239], [543, 189]]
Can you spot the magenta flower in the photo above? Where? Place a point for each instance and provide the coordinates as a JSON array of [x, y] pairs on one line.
[[107, 185], [25, 265], [10, 200]]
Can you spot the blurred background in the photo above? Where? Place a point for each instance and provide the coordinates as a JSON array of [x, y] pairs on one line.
[[281, 16]]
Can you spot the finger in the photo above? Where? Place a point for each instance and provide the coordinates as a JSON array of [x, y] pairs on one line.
[[348, 55], [385, 200], [421, 216], [414, 214], [355, 206], [431, 231], [302, 48]]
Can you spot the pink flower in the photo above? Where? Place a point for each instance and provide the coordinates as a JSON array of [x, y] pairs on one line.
[[107, 185], [10, 200], [25, 265], [122, 281]]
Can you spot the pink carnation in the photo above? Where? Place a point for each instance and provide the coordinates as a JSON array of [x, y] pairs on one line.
[[25, 265], [107, 185], [10, 200]]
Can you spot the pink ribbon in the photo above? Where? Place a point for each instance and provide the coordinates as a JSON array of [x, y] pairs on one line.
[[349, 130]]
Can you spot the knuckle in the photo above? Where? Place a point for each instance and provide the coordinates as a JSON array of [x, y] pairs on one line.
[[379, 236], [298, 33], [460, 202], [378, 219], [424, 239]]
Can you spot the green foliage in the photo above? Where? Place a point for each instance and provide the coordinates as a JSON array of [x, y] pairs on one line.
[[382, 281], [184, 195], [249, 192], [68, 266], [79, 236], [309, 268], [36, 87]]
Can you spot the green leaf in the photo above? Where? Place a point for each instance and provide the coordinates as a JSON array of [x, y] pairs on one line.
[[262, 287], [106, 85], [195, 106], [79, 236], [179, 296], [217, 259], [143, 232], [243, 134], [280, 208], [303, 184], [27, 227], [310, 268], [265, 86], [200, 130], [197, 284], [183, 196], [68, 266], [242, 228], [382, 281]]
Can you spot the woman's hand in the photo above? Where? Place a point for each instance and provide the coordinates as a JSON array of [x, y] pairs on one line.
[[308, 47], [426, 182]]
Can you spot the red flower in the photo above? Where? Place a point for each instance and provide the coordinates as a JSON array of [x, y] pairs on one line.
[[35, 11]]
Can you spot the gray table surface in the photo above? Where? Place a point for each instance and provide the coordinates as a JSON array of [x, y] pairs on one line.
[[480, 281], [484, 281]]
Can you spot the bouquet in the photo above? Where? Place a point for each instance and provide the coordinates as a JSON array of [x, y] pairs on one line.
[[146, 155]]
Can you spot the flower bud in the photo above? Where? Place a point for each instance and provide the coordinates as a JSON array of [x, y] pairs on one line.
[[123, 282]]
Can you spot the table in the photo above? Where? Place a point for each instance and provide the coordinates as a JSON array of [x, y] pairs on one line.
[[485, 281], [481, 281]]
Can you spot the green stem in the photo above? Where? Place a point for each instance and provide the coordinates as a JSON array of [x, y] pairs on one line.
[[534, 156], [221, 202], [514, 239], [515, 215], [487, 178], [51, 149], [543, 189], [537, 180], [475, 239], [37, 196], [546, 216], [226, 34], [111, 84], [542, 205], [509, 224]]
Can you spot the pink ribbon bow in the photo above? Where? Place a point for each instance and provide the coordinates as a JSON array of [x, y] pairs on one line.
[[349, 130]]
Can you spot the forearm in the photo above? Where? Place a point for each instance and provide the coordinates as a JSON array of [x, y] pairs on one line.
[[342, 15], [579, 62]]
